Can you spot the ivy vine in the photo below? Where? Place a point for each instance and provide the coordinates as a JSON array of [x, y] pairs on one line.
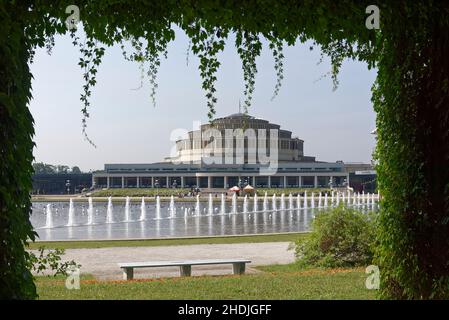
[[206, 44], [277, 49], [249, 48]]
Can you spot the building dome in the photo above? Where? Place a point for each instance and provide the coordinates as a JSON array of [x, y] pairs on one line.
[[239, 131]]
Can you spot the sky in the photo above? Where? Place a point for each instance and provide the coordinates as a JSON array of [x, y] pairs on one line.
[[127, 128]]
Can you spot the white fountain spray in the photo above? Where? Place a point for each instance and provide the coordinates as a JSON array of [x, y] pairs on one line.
[[349, 197], [343, 198], [158, 208], [172, 207], [49, 219], [265, 203], [109, 211], [211, 205], [354, 200], [290, 202], [325, 201], [282, 201], [143, 210], [304, 205], [90, 212], [71, 213], [298, 202], [320, 200], [223, 204], [332, 198], [197, 206], [234, 203], [273, 203], [312, 200], [245, 204], [338, 198], [256, 204], [127, 209]]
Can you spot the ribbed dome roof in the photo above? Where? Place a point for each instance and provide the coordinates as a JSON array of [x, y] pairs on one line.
[[239, 115]]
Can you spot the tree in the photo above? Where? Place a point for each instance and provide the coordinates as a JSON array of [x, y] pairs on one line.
[[410, 98], [62, 169], [43, 168], [75, 169]]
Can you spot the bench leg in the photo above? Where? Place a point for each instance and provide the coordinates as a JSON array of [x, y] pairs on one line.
[[128, 273], [185, 271], [238, 268]]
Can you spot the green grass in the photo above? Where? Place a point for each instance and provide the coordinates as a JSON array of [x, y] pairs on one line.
[[285, 237], [286, 282]]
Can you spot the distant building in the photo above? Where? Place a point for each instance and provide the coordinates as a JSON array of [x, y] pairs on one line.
[[362, 176], [61, 183], [234, 150]]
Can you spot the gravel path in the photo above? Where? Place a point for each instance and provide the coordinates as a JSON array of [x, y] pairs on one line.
[[102, 262]]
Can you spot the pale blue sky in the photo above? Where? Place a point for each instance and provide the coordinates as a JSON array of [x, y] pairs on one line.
[[128, 129]]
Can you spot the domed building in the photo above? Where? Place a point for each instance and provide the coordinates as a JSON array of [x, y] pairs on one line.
[[231, 151], [210, 141]]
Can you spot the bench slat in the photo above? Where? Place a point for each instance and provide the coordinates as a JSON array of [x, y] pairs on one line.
[[180, 263]]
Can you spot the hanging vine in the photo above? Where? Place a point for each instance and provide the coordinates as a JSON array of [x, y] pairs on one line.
[[206, 44], [277, 49], [150, 53], [248, 47], [89, 61], [189, 46], [136, 56]]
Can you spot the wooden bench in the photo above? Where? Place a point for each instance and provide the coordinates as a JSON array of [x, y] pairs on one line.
[[185, 267]]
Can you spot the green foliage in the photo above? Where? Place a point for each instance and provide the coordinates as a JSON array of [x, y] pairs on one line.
[[249, 48], [277, 49], [340, 237], [411, 100], [50, 261], [16, 146], [293, 191], [45, 168], [140, 192]]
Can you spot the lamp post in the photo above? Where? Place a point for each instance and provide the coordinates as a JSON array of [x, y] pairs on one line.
[[67, 184], [156, 184], [331, 183]]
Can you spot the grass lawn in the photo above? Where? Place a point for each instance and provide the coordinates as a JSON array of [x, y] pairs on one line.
[[284, 237], [276, 282]]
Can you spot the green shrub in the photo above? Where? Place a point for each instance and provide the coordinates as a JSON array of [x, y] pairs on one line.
[[286, 191], [50, 260], [340, 237], [139, 192]]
